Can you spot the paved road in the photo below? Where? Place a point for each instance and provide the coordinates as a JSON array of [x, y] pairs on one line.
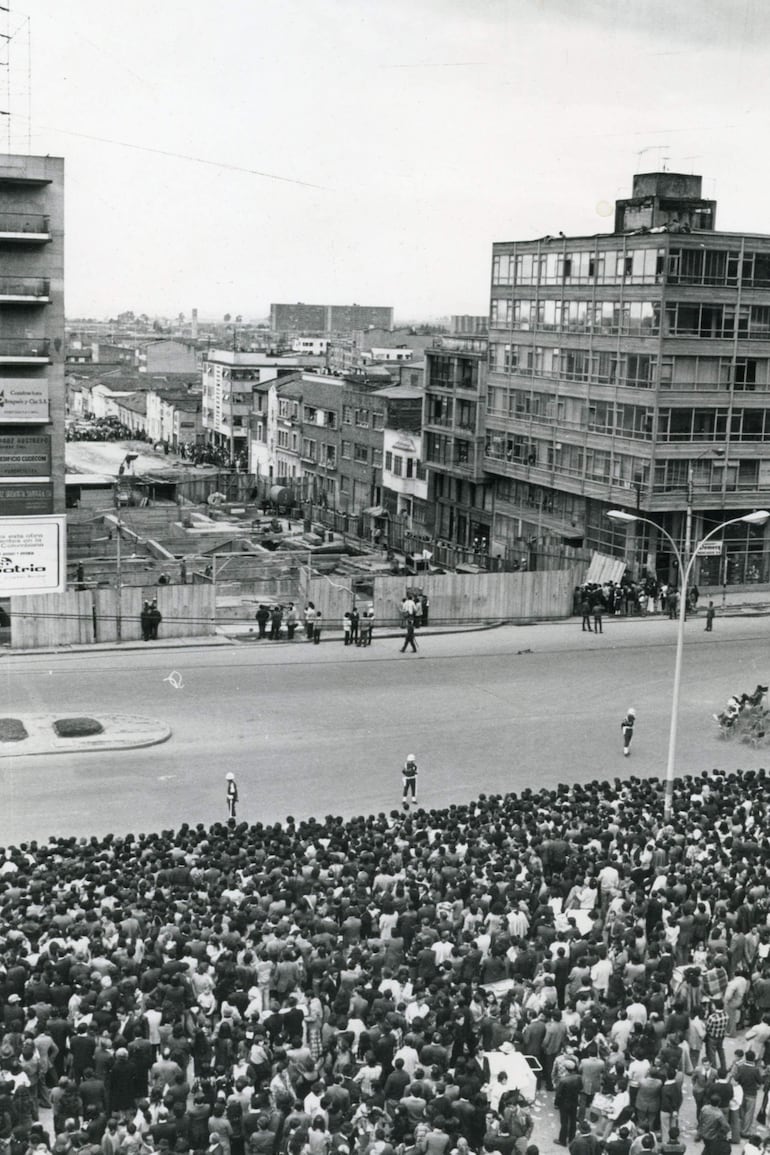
[[321, 729]]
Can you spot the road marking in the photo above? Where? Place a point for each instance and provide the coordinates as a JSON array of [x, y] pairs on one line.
[[175, 679]]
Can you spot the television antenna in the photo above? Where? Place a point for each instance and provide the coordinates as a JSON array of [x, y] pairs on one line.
[[16, 41]]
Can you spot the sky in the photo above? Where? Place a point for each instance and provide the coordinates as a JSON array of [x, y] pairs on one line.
[[226, 155]]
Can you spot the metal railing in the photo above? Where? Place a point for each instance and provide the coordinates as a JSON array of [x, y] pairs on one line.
[[33, 348], [24, 223], [24, 287]]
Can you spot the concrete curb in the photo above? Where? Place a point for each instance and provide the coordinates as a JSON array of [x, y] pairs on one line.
[[121, 732]]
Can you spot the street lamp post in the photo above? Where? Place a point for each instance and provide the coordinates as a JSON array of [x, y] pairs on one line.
[[759, 517]]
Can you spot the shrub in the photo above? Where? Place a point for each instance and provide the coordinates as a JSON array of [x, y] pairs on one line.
[[12, 730], [77, 727]]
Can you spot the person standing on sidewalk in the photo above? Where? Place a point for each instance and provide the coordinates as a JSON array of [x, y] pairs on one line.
[[232, 795], [627, 726], [585, 610], [597, 611], [409, 777], [317, 623], [710, 615]]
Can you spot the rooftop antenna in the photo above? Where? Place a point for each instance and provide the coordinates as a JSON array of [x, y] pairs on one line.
[[665, 161], [15, 31], [696, 156], [650, 148]]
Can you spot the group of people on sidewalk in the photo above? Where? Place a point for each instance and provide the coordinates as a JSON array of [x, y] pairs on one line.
[[333, 987]]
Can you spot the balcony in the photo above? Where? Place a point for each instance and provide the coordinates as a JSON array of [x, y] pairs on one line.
[[24, 291], [24, 228], [24, 351]]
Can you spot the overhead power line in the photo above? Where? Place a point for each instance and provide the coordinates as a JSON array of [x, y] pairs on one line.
[[185, 156]]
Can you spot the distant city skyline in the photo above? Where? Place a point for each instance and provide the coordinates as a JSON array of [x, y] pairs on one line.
[[348, 150]]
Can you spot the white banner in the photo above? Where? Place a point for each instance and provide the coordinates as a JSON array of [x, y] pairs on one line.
[[33, 555], [23, 400]]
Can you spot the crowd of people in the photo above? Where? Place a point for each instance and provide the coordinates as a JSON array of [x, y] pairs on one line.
[[628, 598], [341, 987]]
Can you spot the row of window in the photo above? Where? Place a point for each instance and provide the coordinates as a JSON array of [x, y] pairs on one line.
[[477, 496], [637, 370], [604, 267], [698, 319], [450, 412], [684, 266], [443, 450], [622, 420], [539, 497], [573, 460], [454, 372], [602, 368], [324, 417], [606, 318], [713, 424], [401, 466], [356, 416], [710, 476]]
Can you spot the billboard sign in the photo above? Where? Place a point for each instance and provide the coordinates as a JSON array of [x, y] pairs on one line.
[[26, 499], [23, 400], [25, 456], [33, 555]]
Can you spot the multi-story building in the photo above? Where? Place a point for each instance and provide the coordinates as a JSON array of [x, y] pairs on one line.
[[633, 369], [404, 480], [32, 348], [316, 320], [468, 325], [459, 490], [229, 379]]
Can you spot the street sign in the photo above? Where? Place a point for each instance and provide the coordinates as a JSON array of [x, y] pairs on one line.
[[709, 548]]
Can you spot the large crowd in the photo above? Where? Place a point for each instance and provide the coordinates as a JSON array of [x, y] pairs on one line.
[[368, 986]]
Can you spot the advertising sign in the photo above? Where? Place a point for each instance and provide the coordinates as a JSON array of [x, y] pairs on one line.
[[23, 400], [709, 548], [23, 456], [26, 499], [33, 555]]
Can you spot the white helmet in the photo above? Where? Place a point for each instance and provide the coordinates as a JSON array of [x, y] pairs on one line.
[[230, 776], [411, 758], [632, 711]]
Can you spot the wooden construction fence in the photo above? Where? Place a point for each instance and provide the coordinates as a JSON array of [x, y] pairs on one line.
[[81, 617], [454, 598]]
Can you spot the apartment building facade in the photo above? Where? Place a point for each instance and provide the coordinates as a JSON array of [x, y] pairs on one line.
[[229, 379], [632, 369]]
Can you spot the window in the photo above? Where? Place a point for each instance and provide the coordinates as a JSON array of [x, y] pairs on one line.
[[378, 421], [398, 465], [377, 458], [502, 312], [345, 449], [389, 461], [410, 467], [362, 417], [344, 484], [361, 454], [330, 459], [309, 414], [347, 415], [331, 419], [421, 474], [308, 448]]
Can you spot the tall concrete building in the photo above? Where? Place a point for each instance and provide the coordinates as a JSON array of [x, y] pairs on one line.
[[632, 369], [229, 380], [31, 335], [321, 319]]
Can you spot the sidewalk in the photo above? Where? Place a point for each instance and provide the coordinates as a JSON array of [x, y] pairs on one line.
[[744, 604]]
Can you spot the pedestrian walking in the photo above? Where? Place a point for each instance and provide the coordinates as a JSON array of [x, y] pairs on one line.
[[409, 778], [232, 795], [627, 726], [317, 622], [710, 615], [585, 610], [409, 636], [598, 608]]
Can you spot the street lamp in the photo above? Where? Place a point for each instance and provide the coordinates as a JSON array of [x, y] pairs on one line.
[[759, 517]]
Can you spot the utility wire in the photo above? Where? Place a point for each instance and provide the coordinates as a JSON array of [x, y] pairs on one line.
[[185, 156]]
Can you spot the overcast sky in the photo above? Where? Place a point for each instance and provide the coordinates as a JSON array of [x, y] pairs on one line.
[[409, 134]]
